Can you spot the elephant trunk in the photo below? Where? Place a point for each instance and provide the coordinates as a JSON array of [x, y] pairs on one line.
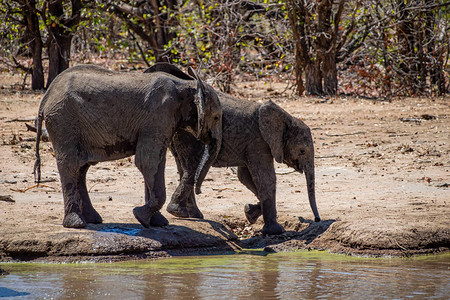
[[310, 182], [210, 153]]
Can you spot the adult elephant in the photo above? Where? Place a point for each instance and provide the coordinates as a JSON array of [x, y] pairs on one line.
[[253, 135], [93, 114]]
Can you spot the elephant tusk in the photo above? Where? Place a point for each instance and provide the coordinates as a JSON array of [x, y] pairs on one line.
[[202, 163]]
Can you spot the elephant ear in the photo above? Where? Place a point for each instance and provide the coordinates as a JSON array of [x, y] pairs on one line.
[[272, 125], [169, 69], [199, 101]]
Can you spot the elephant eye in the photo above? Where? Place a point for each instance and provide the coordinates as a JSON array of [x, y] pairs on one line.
[[302, 152], [216, 118]]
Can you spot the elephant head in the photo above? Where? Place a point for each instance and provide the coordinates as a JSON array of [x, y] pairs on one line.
[[209, 118], [290, 142]]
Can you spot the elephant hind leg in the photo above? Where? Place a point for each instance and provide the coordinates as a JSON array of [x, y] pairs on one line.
[[69, 174], [252, 211], [182, 203], [90, 215], [177, 206], [178, 203], [194, 211]]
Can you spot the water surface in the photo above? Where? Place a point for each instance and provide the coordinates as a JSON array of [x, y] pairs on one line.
[[301, 275]]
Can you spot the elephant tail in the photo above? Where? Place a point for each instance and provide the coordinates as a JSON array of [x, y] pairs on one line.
[[37, 163]]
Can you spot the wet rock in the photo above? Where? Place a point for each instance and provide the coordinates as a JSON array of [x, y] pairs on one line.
[[3, 272]]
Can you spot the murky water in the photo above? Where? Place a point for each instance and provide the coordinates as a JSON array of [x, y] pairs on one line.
[[302, 275]]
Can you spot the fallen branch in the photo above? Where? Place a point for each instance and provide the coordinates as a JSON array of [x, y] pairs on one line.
[[344, 134], [284, 172], [20, 120], [400, 246], [396, 135], [48, 180], [225, 189], [412, 120], [7, 198], [328, 156], [32, 187], [44, 135]]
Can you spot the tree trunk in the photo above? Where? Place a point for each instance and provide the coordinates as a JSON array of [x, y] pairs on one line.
[[297, 16], [37, 76], [406, 42], [435, 46], [329, 73], [313, 78], [61, 30], [59, 56], [298, 70], [32, 21]]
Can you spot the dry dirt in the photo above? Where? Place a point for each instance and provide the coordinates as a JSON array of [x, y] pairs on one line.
[[382, 188]]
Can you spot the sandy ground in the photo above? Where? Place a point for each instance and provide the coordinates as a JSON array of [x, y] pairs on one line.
[[382, 172]]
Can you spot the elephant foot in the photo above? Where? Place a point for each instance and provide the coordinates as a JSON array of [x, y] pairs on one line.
[[195, 213], [73, 220], [92, 217], [252, 212], [272, 228], [143, 214], [177, 210], [158, 220]]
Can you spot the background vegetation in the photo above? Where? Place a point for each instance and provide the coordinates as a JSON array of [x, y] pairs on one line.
[[324, 47]]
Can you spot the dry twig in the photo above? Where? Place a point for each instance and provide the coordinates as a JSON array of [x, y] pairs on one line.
[[32, 187], [344, 134], [225, 189]]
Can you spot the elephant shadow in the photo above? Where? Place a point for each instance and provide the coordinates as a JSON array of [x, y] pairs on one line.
[[174, 237], [313, 231], [304, 236]]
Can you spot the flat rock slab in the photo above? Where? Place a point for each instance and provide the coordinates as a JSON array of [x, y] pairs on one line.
[[52, 242]]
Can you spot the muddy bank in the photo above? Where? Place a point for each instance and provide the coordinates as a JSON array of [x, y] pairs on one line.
[[124, 241], [383, 171]]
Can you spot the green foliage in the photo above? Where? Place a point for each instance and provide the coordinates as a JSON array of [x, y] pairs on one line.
[[231, 39], [224, 39]]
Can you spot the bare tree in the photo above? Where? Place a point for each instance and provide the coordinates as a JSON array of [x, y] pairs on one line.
[[24, 13], [224, 37], [62, 20], [408, 47], [152, 20], [324, 34]]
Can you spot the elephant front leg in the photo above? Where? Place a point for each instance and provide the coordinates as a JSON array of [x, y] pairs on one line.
[[252, 211], [263, 176], [158, 195], [152, 168]]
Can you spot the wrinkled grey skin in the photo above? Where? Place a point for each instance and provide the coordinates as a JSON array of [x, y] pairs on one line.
[[93, 114], [253, 135]]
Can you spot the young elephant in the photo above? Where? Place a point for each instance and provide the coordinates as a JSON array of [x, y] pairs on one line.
[[253, 135], [93, 114]]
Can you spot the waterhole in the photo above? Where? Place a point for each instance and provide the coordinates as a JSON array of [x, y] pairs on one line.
[[299, 275]]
